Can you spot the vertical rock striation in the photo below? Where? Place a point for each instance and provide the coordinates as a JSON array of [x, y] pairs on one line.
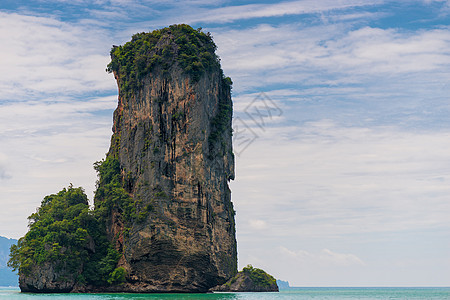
[[173, 222]]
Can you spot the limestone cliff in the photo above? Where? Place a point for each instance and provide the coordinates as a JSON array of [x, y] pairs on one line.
[[172, 140]]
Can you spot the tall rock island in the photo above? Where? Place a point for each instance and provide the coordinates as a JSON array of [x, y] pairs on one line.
[[172, 140], [163, 219]]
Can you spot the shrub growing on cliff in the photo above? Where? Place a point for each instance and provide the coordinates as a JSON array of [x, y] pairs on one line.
[[117, 276], [111, 194]]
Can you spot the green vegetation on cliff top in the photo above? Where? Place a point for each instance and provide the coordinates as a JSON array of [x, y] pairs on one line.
[[193, 50]]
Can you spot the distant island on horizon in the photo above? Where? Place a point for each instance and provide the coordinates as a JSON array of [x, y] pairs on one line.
[[283, 284], [7, 276]]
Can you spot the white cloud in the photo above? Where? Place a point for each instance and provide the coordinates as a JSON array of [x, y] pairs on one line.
[[44, 55], [446, 2], [364, 17], [3, 169], [373, 50], [331, 54], [325, 257], [95, 2], [47, 145], [257, 224], [326, 181], [50, 131], [48, 117], [359, 158], [249, 11]]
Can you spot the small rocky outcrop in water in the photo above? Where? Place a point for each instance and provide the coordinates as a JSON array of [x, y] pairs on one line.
[[163, 218], [250, 279]]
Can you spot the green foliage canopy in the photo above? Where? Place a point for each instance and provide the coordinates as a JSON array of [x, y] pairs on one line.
[[66, 233], [259, 277], [193, 50], [111, 194], [58, 231]]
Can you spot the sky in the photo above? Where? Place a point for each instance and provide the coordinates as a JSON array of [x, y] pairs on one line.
[[341, 124]]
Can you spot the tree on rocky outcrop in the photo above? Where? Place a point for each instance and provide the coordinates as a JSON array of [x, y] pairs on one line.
[[65, 246], [250, 279]]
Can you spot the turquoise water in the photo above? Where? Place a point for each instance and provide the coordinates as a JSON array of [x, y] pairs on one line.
[[295, 293]]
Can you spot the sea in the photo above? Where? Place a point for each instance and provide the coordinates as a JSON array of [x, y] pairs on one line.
[[315, 293]]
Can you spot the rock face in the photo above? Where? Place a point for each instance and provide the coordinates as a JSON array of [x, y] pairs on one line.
[[249, 280], [46, 278], [172, 138]]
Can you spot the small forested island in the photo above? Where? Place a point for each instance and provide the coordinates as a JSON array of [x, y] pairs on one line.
[[163, 220], [250, 279], [66, 246]]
